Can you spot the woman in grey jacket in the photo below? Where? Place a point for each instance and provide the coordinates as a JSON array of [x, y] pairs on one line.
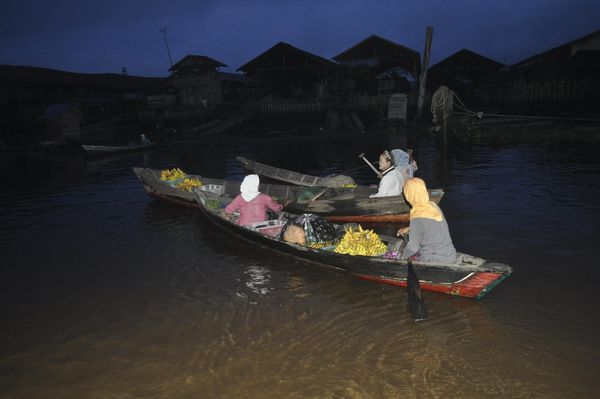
[[429, 238]]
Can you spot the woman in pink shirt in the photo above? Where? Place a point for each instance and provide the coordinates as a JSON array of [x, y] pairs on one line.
[[251, 203]]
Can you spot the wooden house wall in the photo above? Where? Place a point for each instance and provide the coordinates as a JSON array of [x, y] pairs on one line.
[[565, 79], [238, 91], [281, 83], [544, 94], [194, 89], [65, 127], [554, 84]]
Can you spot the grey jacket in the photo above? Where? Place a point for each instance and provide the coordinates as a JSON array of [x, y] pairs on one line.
[[431, 239]]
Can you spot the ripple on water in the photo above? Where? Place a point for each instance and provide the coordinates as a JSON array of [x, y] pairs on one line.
[[108, 293]]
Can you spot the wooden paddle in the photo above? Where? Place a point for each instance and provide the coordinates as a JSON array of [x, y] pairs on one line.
[[349, 170], [362, 156], [319, 194], [415, 295]]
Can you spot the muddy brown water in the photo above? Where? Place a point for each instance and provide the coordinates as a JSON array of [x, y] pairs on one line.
[[108, 294]]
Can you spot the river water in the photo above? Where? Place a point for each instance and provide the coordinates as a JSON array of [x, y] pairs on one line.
[[108, 294]]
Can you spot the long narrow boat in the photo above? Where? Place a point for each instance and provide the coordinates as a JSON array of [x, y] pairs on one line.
[[393, 209], [288, 176], [470, 277], [165, 191], [338, 204], [113, 149]]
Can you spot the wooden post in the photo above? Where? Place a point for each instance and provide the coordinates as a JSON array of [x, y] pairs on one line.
[[423, 77]]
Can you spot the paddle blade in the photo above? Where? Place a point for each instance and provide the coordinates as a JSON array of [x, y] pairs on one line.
[[415, 296]]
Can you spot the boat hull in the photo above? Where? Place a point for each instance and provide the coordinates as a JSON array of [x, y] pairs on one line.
[[336, 204], [282, 175], [458, 280], [472, 278], [94, 150]]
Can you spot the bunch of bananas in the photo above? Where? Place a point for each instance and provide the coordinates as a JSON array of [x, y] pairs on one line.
[[361, 242], [172, 174], [321, 245], [189, 183]]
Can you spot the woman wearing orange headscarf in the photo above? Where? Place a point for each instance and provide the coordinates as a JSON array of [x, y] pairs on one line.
[[429, 239]]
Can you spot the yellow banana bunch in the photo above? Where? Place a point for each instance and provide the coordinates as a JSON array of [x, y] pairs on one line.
[[189, 183], [172, 174], [320, 245], [361, 242]]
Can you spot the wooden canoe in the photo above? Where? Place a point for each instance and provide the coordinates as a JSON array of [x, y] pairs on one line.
[[114, 149], [470, 277], [283, 175], [392, 209], [338, 204], [162, 190]]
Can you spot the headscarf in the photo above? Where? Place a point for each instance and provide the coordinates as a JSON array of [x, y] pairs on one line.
[[416, 193], [249, 187], [401, 159], [402, 162]]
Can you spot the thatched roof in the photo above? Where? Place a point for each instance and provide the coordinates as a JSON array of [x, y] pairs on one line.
[[461, 69], [466, 63], [196, 61], [587, 43], [285, 56], [388, 53], [35, 75]]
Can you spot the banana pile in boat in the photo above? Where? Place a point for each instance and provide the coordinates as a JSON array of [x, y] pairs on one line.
[[172, 174], [189, 183], [361, 242], [178, 178]]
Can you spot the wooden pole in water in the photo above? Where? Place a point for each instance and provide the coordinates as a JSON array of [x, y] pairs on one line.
[[423, 77]]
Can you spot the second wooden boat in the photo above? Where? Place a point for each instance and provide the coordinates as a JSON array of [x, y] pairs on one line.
[[291, 177], [338, 204]]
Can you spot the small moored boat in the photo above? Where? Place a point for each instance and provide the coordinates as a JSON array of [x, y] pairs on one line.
[[114, 149]]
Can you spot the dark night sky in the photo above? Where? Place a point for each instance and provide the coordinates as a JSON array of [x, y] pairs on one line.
[[103, 36]]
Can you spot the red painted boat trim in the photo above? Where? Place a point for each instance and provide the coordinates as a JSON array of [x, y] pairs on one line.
[[392, 218], [475, 286]]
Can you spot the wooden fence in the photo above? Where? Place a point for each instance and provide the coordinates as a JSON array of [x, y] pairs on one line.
[[289, 107], [379, 104], [542, 91], [372, 104], [364, 105]]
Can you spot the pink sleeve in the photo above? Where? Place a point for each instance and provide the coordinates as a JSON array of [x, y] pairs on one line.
[[233, 205], [274, 206]]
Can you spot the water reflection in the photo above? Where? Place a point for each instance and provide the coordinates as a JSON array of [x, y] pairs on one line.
[[105, 292]]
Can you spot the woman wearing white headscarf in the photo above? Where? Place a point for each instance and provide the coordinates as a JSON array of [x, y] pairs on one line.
[[251, 203], [391, 178]]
